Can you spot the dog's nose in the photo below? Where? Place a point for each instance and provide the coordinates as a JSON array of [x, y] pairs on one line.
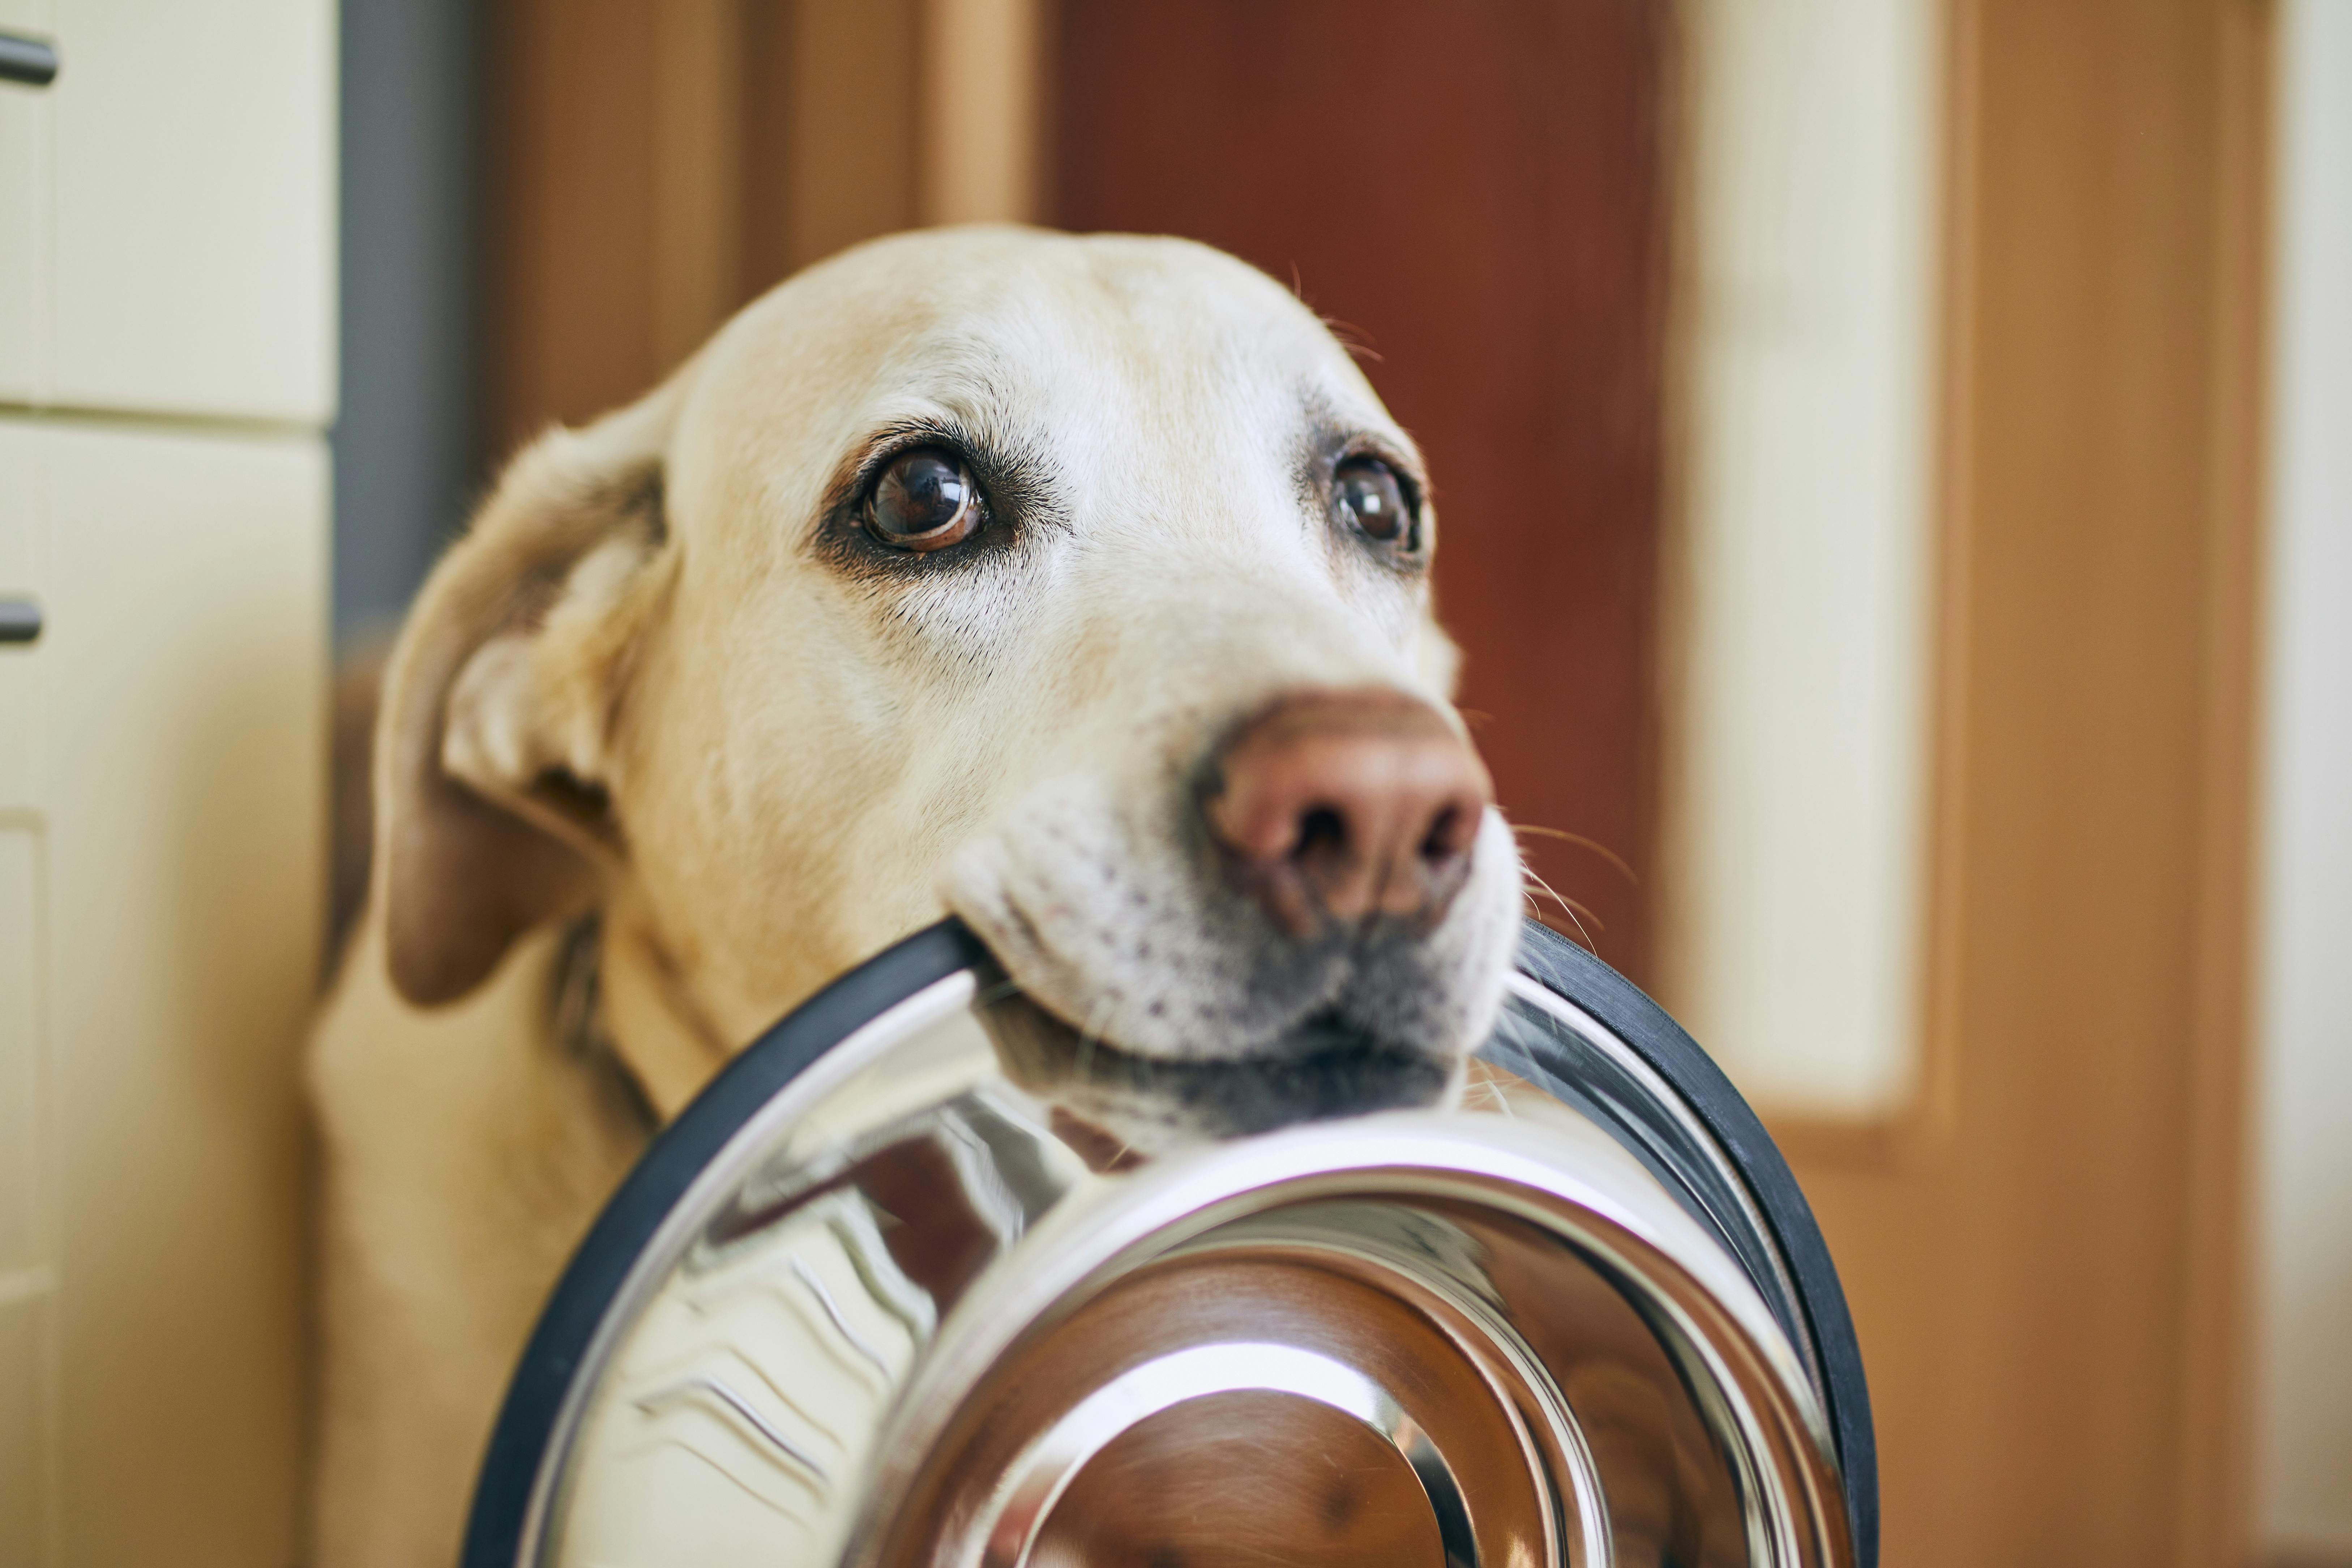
[[1341, 806]]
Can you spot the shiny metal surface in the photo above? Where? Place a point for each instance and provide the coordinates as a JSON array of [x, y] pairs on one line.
[[1009, 1526], [912, 1312], [1593, 1071]]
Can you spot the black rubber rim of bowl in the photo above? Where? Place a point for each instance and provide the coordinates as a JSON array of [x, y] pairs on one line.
[[567, 1326]]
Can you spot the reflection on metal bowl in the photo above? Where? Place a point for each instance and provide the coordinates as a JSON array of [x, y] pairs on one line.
[[878, 1297]]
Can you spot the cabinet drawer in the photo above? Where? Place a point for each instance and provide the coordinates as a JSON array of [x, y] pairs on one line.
[[189, 194]]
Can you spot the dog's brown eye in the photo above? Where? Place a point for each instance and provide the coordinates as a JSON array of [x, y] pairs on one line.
[[1368, 492], [924, 500]]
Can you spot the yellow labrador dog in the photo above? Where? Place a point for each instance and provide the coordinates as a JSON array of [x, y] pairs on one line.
[[1079, 586]]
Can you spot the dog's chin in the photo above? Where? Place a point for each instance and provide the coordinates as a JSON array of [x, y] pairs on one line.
[[1322, 1068]]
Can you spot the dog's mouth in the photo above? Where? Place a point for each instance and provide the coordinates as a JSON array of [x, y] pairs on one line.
[[1322, 1069]]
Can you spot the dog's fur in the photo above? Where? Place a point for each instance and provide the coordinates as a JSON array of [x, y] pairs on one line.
[[667, 682]]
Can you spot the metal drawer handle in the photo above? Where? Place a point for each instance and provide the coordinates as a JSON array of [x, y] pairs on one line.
[[20, 621], [33, 61]]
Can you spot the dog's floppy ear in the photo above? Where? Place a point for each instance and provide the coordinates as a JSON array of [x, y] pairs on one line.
[[493, 743]]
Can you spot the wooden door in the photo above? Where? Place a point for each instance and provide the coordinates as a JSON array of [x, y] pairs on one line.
[[1476, 196], [2044, 1256], [655, 163]]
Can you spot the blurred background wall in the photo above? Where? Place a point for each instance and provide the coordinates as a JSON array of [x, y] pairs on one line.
[[1848, 418], [410, 448]]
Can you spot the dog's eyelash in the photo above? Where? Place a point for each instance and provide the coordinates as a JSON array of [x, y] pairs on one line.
[[892, 445]]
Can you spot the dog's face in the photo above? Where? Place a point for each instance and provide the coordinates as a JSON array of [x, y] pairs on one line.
[[1079, 587]]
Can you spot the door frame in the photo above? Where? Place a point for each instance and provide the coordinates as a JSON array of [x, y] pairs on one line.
[[2092, 718]]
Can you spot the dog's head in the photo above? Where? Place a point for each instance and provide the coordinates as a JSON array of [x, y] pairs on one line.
[[1078, 585]]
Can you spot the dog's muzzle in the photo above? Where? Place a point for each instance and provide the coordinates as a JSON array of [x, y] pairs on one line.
[[872, 1300]]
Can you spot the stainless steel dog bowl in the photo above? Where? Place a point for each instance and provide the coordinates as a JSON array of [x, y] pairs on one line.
[[877, 1299]]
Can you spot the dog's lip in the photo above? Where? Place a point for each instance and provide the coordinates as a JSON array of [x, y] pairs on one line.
[[1323, 1069]]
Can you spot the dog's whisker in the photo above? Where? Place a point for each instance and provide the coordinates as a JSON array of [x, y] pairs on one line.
[[1579, 840], [1094, 1033], [1576, 935], [1497, 1099], [1574, 906], [1569, 909]]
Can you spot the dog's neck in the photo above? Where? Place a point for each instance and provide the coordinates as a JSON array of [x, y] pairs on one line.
[[618, 998], [576, 1014]]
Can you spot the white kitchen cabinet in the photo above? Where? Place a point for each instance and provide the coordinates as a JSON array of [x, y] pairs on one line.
[[166, 368]]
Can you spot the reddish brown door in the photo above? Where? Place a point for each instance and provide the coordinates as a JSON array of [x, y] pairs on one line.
[[1475, 192]]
